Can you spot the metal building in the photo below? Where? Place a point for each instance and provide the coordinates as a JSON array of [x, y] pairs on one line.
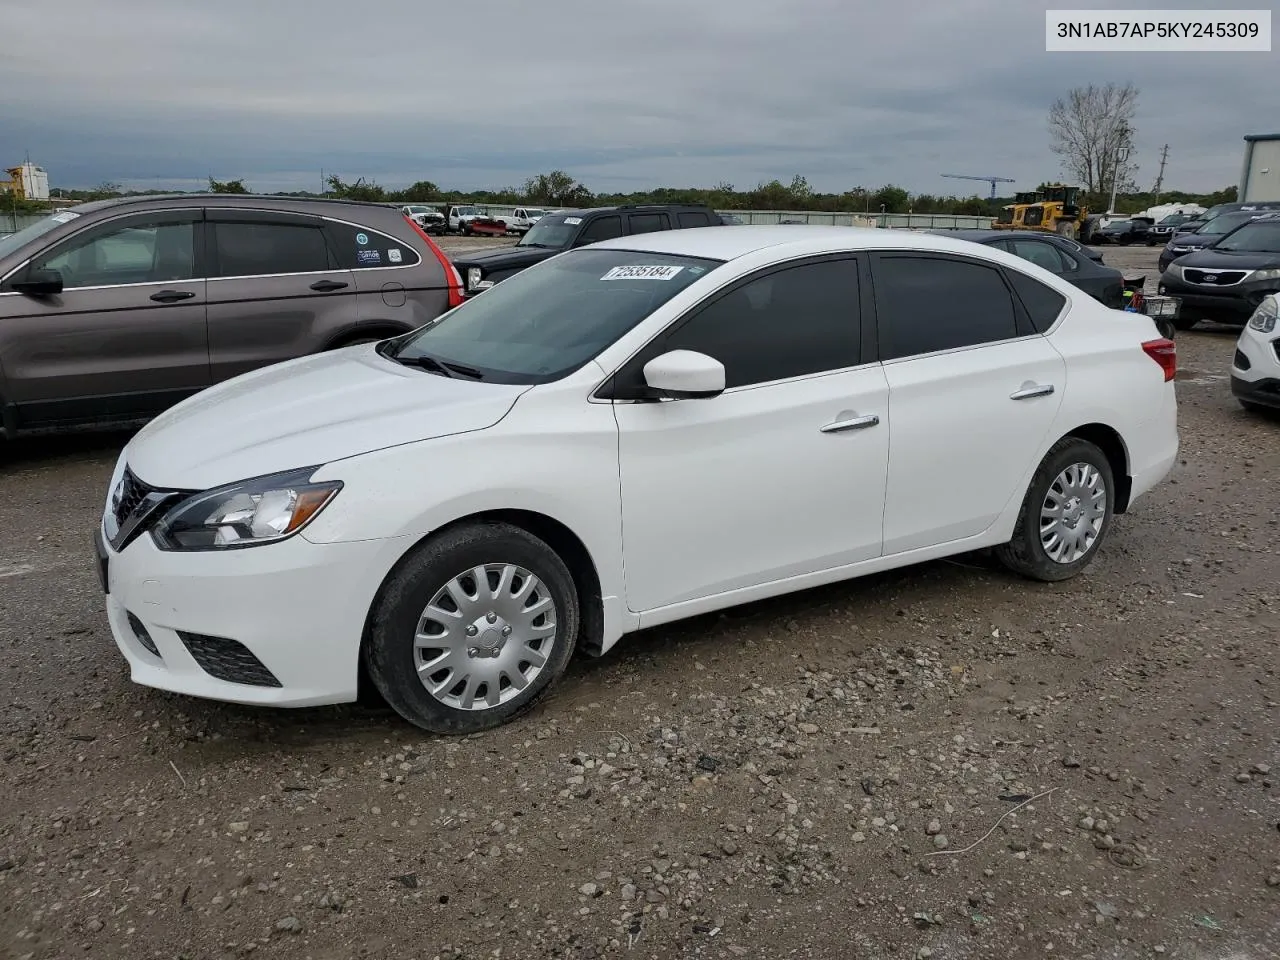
[[1260, 179], [28, 181]]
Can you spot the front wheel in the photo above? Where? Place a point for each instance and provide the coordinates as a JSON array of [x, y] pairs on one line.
[[1065, 515], [473, 628]]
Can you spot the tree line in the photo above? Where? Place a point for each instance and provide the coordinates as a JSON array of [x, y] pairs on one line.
[[560, 190]]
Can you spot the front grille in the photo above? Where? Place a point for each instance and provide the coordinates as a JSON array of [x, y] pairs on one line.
[[1241, 361], [228, 660], [132, 492], [141, 634], [1212, 278]]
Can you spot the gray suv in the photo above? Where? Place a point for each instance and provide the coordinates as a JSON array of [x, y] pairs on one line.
[[112, 311]]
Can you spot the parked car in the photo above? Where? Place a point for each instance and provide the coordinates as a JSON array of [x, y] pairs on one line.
[[459, 217], [114, 310], [1228, 280], [522, 218], [1163, 231], [462, 508], [1123, 232], [564, 230], [1060, 256], [431, 220], [1255, 368], [1183, 243]]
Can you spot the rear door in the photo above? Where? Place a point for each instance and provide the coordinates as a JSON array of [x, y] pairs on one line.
[[399, 285], [275, 289], [125, 338], [973, 391]]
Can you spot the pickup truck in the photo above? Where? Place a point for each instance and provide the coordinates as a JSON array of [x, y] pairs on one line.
[[460, 216], [522, 218], [565, 229], [429, 218]]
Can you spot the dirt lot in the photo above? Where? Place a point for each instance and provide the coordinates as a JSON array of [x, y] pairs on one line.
[[838, 774]]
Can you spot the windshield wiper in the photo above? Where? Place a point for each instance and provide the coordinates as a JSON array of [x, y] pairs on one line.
[[540, 246], [444, 368]]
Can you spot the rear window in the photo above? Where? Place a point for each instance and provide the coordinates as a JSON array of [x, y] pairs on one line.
[[694, 219]]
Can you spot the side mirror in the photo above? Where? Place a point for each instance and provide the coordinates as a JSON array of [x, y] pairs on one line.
[[685, 375], [40, 283]]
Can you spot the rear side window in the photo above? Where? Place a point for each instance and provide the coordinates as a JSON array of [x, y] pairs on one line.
[[262, 249], [1042, 303], [649, 222], [602, 228], [694, 219], [928, 303], [359, 248]]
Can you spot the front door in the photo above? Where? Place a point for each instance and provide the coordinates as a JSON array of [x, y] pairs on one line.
[[973, 392], [125, 338], [781, 475]]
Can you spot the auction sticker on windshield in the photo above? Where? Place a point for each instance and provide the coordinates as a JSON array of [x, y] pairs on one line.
[[642, 273]]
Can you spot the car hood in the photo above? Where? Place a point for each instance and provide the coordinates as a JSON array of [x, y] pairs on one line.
[[503, 258], [1191, 240], [1227, 260], [312, 410]]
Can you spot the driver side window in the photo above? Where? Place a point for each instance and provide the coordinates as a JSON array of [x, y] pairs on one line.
[[136, 251]]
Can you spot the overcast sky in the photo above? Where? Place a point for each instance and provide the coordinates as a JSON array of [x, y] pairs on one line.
[[622, 95]]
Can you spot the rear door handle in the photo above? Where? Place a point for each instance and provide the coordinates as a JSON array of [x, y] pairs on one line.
[[324, 286], [853, 423], [172, 296], [1037, 390]]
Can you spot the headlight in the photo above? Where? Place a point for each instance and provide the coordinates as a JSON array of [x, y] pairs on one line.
[[1179, 249], [245, 514], [1264, 318], [1264, 275]]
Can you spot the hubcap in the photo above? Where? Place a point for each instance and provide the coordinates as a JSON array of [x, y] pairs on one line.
[[1072, 514], [485, 636]]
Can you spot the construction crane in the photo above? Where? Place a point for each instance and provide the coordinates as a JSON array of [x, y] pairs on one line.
[[991, 180]]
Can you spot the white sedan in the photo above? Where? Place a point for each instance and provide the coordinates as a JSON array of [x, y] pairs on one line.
[[627, 434]]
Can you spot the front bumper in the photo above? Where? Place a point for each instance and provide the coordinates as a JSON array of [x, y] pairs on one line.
[[1232, 304], [279, 624], [1264, 392]]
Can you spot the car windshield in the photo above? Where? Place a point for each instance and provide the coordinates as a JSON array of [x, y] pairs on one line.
[[468, 211], [554, 232], [1225, 224], [535, 213], [1261, 237], [1174, 219], [16, 241], [550, 319]]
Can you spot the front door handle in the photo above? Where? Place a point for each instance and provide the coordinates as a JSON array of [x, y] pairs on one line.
[[853, 423], [172, 296], [324, 286], [1036, 390]]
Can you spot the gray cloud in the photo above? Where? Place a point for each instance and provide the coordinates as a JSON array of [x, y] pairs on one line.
[[655, 92]]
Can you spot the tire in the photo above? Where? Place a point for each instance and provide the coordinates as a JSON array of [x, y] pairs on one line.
[[1166, 328], [1067, 230], [401, 612], [1070, 459], [1185, 323]]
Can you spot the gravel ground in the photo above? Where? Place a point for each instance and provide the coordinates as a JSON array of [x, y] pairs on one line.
[[940, 762]]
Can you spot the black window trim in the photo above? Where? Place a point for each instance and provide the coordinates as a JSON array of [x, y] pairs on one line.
[[604, 392], [194, 215], [1022, 320]]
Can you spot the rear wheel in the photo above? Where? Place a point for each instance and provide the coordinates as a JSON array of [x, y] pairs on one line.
[[1066, 513], [1166, 328], [473, 629]]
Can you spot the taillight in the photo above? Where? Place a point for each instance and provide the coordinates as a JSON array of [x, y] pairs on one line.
[[1165, 353], [453, 279]]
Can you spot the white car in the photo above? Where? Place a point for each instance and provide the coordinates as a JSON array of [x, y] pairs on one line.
[[522, 218], [633, 432], [1255, 369]]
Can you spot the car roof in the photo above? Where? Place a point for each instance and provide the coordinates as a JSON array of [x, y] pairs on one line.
[[228, 199], [716, 244]]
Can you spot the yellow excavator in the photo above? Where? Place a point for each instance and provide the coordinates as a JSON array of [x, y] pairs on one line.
[[1011, 215]]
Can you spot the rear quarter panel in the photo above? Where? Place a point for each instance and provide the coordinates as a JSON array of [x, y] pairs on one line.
[[1111, 380]]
